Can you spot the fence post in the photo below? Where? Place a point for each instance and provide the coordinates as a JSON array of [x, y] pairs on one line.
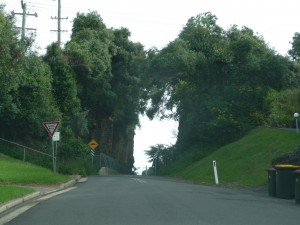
[[100, 160], [24, 154]]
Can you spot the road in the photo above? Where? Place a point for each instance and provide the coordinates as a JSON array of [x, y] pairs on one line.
[[137, 200]]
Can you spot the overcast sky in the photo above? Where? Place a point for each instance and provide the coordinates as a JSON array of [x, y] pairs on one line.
[[154, 23]]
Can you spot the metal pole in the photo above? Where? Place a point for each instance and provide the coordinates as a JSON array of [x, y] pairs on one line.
[[23, 22], [297, 125], [100, 160], [53, 156], [92, 156], [155, 165], [58, 23]]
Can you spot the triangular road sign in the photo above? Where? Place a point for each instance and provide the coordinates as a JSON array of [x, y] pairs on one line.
[[51, 127]]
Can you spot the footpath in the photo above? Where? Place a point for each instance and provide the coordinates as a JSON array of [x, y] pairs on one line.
[[41, 191]]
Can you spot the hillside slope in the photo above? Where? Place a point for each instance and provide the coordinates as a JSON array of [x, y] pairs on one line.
[[244, 162], [15, 175], [14, 171]]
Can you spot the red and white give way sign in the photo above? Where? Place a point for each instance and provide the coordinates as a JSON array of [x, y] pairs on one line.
[[51, 127]]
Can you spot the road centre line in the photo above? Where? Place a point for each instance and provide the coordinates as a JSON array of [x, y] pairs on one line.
[[139, 180]]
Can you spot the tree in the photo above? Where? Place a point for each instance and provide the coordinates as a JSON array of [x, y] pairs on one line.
[[35, 100], [160, 155], [295, 51], [89, 53], [11, 74], [64, 89], [216, 80], [127, 69], [25, 89], [108, 69], [283, 104]]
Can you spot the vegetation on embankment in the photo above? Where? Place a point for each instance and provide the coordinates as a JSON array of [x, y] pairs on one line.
[[15, 172], [243, 162], [8, 193]]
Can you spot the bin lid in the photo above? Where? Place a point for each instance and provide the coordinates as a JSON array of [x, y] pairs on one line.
[[286, 166], [271, 169]]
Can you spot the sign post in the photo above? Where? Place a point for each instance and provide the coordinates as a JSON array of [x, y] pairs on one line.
[[93, 145], [51, 128]]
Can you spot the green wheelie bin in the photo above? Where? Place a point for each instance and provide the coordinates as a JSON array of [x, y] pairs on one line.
[[285, 181], [272, 182], [297, 186]]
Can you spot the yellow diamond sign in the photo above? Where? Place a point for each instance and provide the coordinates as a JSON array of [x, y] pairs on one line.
[[93, 144]]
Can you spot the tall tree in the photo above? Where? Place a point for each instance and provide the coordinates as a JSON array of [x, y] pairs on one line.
[[295, 51], [35, 100], [127, 67], [108, 68], [218, 81], [11, 74], [65, 93], [89, 53], [25, 88]]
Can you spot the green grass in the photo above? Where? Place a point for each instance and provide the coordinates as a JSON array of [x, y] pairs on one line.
[[16, 172], [10, 192], [244, 162]]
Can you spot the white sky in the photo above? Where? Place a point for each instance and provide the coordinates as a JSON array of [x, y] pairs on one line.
[[154, 23]]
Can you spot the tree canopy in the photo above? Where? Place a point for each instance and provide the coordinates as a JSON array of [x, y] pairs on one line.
[[217, 83], [216, 79]]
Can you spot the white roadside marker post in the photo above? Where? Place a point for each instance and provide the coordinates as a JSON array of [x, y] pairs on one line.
[[216, 172]]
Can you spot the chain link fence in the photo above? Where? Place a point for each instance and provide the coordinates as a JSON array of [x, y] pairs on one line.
[[100, 160], [25, 153], [96, 161]]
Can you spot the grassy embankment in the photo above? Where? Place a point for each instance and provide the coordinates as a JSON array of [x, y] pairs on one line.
[[242, 163], [14, 173]]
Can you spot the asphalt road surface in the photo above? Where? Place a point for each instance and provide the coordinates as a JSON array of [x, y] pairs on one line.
[[136, 200]]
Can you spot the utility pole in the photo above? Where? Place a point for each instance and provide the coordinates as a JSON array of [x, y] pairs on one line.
[[59, 18], [24, 14]]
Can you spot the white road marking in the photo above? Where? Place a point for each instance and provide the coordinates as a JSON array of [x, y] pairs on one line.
[[55, 193], [16, 213], [139, 180]]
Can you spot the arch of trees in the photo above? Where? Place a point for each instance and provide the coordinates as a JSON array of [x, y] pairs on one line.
[[217, 83]]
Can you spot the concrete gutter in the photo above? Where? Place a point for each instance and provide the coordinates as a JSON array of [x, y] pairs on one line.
[[41, 191]]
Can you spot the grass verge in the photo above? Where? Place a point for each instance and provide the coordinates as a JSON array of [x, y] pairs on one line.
[[8, 193], [16, 172]]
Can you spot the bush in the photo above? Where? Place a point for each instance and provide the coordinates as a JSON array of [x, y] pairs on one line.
[[289, 158], [74, 158], [80, 166], [283, 105]]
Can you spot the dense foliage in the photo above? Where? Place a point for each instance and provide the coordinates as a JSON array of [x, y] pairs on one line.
[[217, 83], [92, 87]]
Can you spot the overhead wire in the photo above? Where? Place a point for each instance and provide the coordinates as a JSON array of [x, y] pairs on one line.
[[47, 7], [150, 19]]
